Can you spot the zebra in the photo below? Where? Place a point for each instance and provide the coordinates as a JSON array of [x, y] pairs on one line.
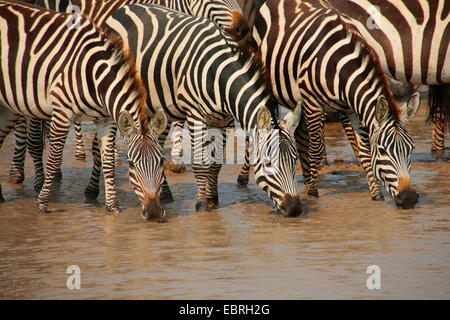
[[194, 71], [226, 13], [411, 39], [311, 53], [51, 70]]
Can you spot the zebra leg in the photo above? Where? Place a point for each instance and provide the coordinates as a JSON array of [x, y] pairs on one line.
[[323, 160], [176, 163], [200, 165], [35, 145], [16, 172], [80, 154], [437, 140], [245, 171], [106, 135], [348, 129], [59, 129], [165, 195], [92, 189], [302, 143], [217, 144], [363, 146], [7, 121]]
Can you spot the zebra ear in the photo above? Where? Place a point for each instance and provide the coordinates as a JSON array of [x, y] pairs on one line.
[[290, 121], [126, 124], [158, 123], [409, 108], [381, 109], [263, 118]]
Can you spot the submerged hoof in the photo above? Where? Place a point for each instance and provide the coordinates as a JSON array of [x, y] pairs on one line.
[[242, 180], [113, 208], [16, 176], [438, 154], [58, 176], [378, 197], [213, 203], [42, 211], [313, 193], [176, 167], [202, 206], [91, 196]]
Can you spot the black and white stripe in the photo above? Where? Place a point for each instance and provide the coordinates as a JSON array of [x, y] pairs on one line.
[[51, 71], [311, 53], [194, 71], [226, 13], [412, 41]]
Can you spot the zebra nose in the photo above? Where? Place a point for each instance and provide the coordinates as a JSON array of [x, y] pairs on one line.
[[290, 206], [406, 199], [151, 209]]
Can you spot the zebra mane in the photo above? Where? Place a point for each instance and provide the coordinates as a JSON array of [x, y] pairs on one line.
[[125, 59], [373, 57], [251, 51]]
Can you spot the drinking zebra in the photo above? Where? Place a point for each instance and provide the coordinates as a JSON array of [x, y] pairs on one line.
[[49, 70], [226, 13], [412, 40], [194, 71], [312, 53]]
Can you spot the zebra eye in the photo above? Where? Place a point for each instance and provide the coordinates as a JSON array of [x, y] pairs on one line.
[[269, 164], [131, 164]]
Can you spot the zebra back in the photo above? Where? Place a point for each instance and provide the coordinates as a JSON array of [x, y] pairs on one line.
[[226, 13]]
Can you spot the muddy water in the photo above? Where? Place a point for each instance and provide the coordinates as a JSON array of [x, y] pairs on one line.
[[242, 250]]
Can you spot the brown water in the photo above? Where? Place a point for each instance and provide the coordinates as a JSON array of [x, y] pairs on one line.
[[242, 250]]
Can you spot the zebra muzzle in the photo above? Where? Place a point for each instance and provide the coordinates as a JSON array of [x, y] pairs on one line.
[[290, 206], [406, 197], [151, 208]]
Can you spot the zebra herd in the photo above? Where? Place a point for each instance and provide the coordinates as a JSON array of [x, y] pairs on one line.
[[141, 65]]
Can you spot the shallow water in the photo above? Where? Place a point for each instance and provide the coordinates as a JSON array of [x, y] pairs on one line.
[[243, 250]]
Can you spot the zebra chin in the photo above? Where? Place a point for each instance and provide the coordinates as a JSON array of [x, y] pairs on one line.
[[151, 208], [407, 197], [290, 206]]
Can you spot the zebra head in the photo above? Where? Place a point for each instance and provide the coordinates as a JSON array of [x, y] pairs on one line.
[[145, 162], [226, 13], [275, 159], [391, 148]]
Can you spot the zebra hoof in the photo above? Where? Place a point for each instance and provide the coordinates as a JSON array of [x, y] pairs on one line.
[[91, 196], [438, 154], [113, 208], [213, 203], [242, 180], [177, 168], [58, 176], [42, 211], [16, 176], [378, 197], [313, 193], [202, 206]]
